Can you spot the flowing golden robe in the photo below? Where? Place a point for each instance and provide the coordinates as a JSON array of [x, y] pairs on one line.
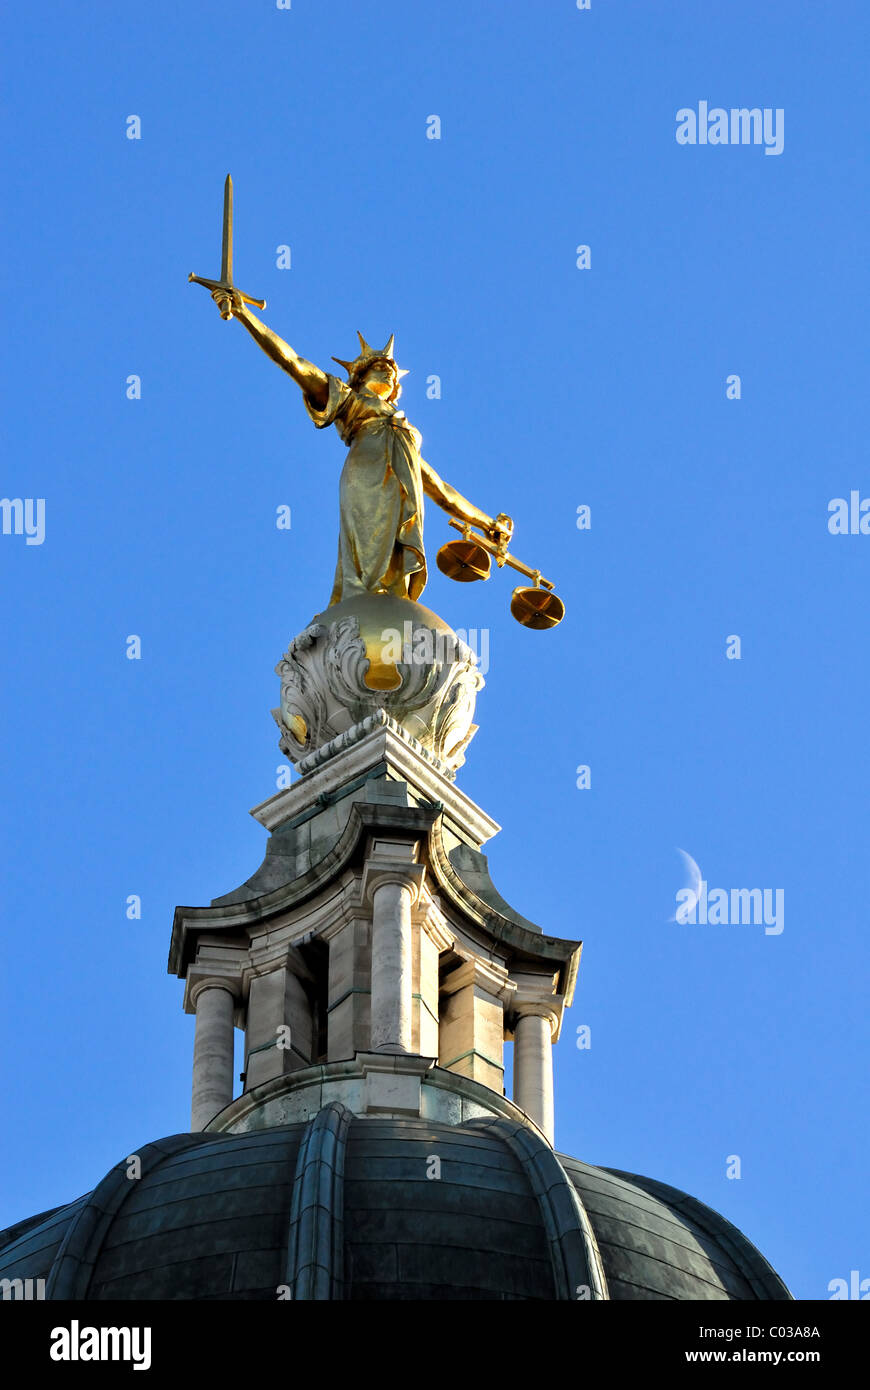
[[380, 542]]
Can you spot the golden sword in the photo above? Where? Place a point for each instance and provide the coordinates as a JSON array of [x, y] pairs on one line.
[[226, 280]]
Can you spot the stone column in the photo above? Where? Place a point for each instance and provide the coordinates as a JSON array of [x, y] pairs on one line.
[[392, 888], [214, 1003], [533, 1064], [391, 967]]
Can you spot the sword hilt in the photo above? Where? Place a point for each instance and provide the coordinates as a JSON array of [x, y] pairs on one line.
[[222, 285]]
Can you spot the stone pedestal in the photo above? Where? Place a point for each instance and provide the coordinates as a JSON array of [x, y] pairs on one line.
[[472, 1022], [428, 940], [378, 654], [279, 1036], [349, 1008]]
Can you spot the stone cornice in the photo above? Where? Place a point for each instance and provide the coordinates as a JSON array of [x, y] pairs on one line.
[[382, 743], [364, 816], [428, 915], [498, 927], [419, 822]]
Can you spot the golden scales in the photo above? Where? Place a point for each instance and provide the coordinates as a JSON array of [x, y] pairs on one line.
[[535, 605]]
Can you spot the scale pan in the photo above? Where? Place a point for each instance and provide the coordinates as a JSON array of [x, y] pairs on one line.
[[463, 561], [537, 608]]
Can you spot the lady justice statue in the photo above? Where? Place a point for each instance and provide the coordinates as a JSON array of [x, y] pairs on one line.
[[384, 479], [380, 545]]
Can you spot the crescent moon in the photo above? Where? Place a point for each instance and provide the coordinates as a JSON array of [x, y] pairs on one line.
[[694, 884]]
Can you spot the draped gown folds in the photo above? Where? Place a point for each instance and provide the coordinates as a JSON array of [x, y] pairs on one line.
[[380, 542]]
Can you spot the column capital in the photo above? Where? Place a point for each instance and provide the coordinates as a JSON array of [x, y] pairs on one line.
[[432, 921], [533, 1005], [379, 872], [264, 959], [488, 975], [199, 979]]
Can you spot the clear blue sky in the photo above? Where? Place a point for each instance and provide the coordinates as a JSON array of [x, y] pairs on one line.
[[560, 387]]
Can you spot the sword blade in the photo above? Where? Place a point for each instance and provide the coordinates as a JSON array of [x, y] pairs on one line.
[[227, 239]]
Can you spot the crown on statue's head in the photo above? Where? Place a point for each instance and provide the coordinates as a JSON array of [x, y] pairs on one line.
[[367, 357]]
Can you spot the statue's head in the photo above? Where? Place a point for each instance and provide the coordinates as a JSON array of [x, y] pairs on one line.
[[375, 369], [382, 377]]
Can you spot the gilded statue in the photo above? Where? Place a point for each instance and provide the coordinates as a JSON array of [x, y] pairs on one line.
[[385, 477]]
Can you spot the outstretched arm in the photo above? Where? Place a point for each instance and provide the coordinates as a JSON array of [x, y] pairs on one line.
[[310, 378], [459, 506]]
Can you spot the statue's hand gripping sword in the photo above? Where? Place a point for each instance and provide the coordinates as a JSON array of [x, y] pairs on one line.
[[226, 280]]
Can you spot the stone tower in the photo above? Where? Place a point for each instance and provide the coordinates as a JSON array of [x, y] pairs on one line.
[[377, 974], [370, 960]]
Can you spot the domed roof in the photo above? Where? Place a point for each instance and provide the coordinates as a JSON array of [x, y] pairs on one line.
[[381, 1209]]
